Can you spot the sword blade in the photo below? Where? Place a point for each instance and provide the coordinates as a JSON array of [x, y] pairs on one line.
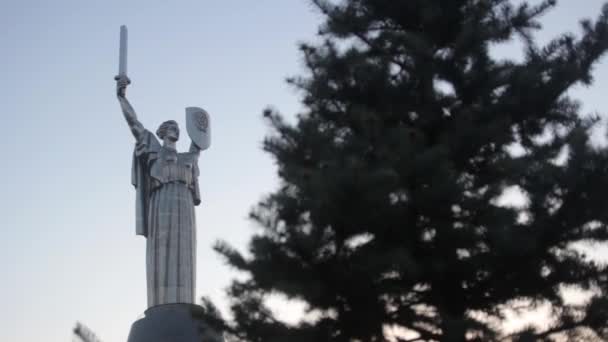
[[122, 56]]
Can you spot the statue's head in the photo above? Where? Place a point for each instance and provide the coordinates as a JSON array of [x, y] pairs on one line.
[[168, 129]]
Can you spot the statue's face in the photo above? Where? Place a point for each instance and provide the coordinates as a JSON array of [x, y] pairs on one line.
[[172, 132]]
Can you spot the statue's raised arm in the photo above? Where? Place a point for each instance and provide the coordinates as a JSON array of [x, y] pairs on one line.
[[136, 127]]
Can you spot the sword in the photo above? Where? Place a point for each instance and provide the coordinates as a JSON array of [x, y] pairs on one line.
[[122, 54]]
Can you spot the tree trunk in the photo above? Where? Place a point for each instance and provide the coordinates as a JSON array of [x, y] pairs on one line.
[[453, 329]]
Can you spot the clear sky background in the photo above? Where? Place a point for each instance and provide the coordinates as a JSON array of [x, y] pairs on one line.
[[69, 250]]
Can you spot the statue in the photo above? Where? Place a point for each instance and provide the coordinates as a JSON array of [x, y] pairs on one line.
[[167, 190]]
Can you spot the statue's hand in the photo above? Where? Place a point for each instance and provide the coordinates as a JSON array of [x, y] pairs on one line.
[[122, 81]]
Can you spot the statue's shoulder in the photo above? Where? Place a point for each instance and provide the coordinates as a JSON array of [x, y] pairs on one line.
[[148, 138], [147, 144]]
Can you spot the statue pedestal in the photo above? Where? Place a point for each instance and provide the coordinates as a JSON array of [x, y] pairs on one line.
[[173, 323]]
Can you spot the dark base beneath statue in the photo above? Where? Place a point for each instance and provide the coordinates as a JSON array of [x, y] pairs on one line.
[[173, 323]]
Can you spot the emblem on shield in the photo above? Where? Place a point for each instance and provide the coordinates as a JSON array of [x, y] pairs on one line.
[[202, 121], [198, 125]]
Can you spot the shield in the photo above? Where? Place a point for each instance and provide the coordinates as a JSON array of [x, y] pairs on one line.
[[198, 125]]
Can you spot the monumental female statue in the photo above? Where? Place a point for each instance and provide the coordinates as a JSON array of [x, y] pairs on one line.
[[167, 189], [166, 184]]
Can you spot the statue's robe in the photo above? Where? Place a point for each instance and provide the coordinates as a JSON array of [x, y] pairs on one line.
[[167, 191]]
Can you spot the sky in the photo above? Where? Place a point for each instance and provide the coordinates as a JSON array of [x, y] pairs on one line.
[[69, 249]]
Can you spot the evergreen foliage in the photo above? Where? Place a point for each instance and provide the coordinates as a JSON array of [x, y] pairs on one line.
[[392, 210]]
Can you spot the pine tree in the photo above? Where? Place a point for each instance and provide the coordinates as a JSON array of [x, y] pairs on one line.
[[391, 211]]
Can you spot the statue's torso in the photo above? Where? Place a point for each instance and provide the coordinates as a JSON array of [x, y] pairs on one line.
[[170, 166]]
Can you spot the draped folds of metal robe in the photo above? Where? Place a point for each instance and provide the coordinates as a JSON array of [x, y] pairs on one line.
[[171, 246]]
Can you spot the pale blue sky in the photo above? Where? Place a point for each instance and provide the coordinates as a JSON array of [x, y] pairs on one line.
[[69, 250]]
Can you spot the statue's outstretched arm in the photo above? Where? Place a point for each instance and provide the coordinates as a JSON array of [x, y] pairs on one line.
[[121, 86]]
